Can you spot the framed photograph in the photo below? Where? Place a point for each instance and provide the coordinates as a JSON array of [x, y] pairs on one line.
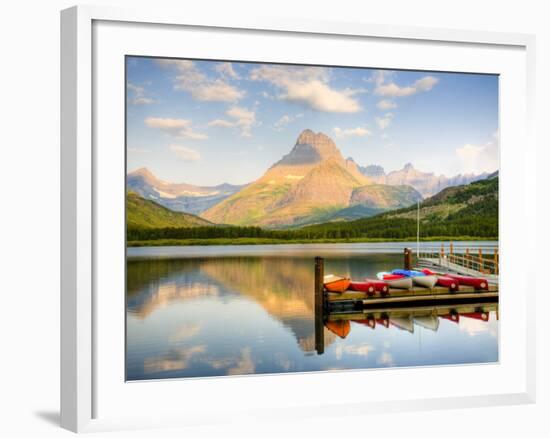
[[257, 209]]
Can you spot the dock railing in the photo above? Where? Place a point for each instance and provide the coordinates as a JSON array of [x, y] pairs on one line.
[[476, 259]]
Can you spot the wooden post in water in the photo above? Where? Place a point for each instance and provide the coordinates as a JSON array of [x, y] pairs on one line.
[[467, 258], [451, 248], [407, 259], [496, 261], [319, 305]]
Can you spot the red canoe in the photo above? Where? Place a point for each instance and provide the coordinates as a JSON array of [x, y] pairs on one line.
[[448, 282], [363, 286], [429, 272], [477, 283], [393, 276], [379, 285]]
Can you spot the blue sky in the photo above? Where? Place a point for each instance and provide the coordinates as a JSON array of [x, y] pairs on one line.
[[209, 122]]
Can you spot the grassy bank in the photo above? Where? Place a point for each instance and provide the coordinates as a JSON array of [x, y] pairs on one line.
[[267, 241]]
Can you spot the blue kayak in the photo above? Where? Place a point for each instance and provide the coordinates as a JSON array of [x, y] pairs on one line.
[[407, 273]]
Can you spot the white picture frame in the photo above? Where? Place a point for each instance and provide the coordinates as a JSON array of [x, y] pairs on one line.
[[83, 369]]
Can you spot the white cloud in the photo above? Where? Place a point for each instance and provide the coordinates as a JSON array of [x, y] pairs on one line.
[[226, 69], [386, 104], [479, 158], [216, 91], [221, 123], [244, 119], [285, 120], [175, 127], [384, 122], [351, 132], [184, 153], [139, 96], [282, 122], [391, 89], [308, 86], [201, 87]]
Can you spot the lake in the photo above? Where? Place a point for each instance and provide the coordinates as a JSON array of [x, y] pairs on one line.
[[233, 310]]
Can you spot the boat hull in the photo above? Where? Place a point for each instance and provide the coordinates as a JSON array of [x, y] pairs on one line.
[[428, 281], [477, 283], [363, 286], [400, 283], [379, 286], [448, 282], [333, 283]]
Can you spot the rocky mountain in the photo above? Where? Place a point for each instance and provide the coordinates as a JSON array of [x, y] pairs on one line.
[[178, 197], [312, 183], [143, 213], [426, 183]]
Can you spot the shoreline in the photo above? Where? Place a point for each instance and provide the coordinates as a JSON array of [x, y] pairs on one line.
[[266, 241]]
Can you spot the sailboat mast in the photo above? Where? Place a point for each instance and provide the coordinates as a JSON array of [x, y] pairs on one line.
[[417, 228]]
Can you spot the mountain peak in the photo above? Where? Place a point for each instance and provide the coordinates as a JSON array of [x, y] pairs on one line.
[[145, 174], [311, 148], [321, 142]]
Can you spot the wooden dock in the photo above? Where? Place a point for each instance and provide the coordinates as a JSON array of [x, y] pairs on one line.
[[412, 295], [473, 262], [400, 307], [418, 295]]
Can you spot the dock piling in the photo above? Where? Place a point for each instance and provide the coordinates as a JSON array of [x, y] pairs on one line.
[[407, 259], [319, 305]]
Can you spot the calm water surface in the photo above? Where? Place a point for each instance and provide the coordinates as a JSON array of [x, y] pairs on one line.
[[213, 311]]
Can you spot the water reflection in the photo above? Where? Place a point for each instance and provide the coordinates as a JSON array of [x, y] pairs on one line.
[[216, 316]]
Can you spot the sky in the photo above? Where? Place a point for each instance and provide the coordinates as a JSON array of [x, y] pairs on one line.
[[209, 122]]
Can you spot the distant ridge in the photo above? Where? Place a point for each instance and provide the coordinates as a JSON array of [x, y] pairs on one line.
[[177, 196], [426, 183]]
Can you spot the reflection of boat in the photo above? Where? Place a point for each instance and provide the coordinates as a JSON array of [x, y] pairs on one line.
[[477, 283], [483, 316], [339, 328], [384, 321], [334, 283], [369, 322], [430, 322], [403, 323], [428, 281], [454, 317]]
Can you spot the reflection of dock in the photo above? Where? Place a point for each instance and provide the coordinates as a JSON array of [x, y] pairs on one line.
[[415, 312]]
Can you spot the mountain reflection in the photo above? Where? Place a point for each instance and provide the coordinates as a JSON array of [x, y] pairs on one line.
[[281, 286]]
